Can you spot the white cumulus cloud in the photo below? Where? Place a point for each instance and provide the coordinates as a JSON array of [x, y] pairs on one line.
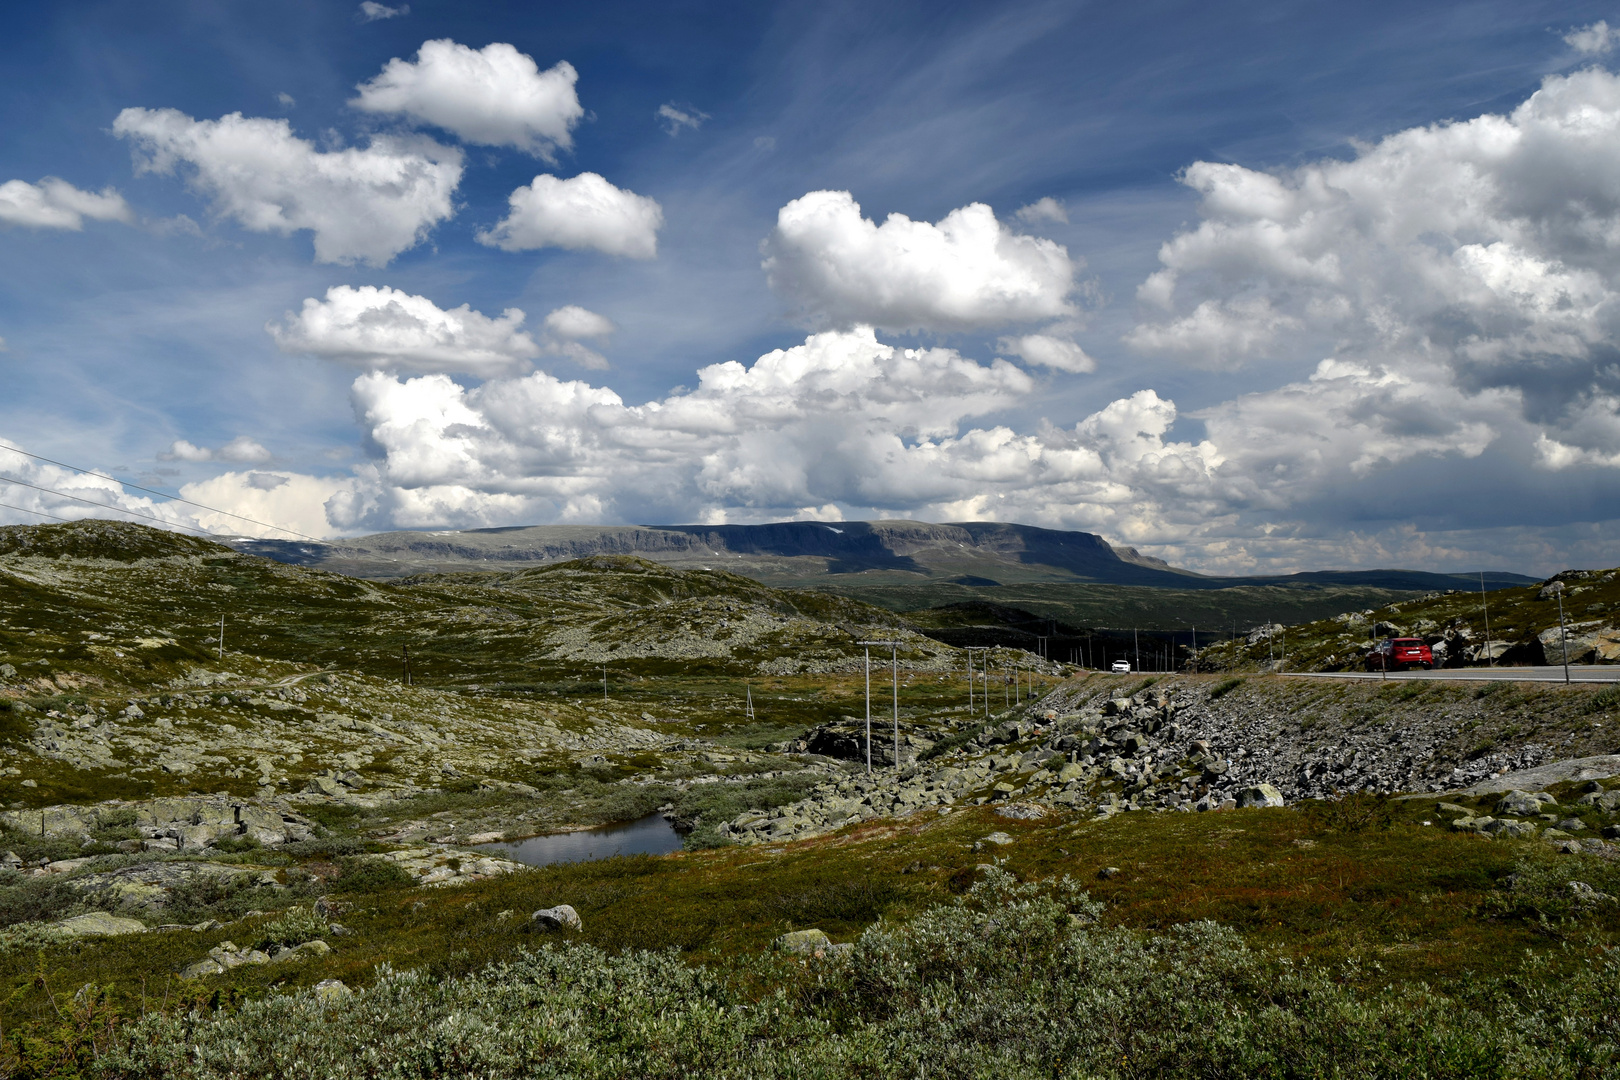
[[240, 449], [966, 272], [494, 96], [673, 117], [380, 327], [567, 330], [371, 11], [363, 205], [583, 213], [57, 204], [1593, 40], [1484, 252], [1044, 211], [574, 323], [1049, 350]]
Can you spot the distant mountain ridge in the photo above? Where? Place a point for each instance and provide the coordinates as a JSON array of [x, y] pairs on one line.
[[800, 553]]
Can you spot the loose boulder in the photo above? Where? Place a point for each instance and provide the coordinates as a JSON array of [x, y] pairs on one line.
[[100, 924], [1261, 795], [1524, 803], [807, 942], [561, 917]]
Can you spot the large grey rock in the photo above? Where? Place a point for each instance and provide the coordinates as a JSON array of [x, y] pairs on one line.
[[1506, 829], [100, 924], [1261, 795], [1524, 803], [228, 955], [330, 990], [1607, 801], [299, 953], [561, 917], [1544, 776], [808, 942], [202, 969]]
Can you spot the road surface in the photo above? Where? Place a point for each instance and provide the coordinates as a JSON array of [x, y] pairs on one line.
[[1577, 673]]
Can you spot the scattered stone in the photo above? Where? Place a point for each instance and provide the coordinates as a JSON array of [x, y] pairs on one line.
[[561, 917], [329, 990], [1508, 829], [1021, 812], [1107, 872], [1524, 803], [995, 839], [808, 942], [300, 953]]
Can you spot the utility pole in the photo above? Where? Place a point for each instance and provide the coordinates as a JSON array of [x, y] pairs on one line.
[[604, 682], [749, 689], [405, 663], [222, 636], [894, 661], [1490, 658], [1563, 635], [1136, 644], [970, 681], [970, 650], [868, 708]]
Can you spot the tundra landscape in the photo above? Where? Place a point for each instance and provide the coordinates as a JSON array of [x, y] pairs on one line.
[[223, 860], [1041, 540]]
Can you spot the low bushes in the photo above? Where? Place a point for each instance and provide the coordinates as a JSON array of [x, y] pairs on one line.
[[1010, 981]]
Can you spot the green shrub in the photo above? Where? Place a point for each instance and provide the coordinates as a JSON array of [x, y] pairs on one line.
[[293, 927], [1011, 981], [1603, 700], [370, 874], [1354, 812], [331, 847], [1224, 687], [711, 804], [236, 844]]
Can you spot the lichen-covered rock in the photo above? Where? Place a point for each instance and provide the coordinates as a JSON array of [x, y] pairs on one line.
[[561, 917], [1524, 803], [100, 924], [808, 942], [1261, 795]]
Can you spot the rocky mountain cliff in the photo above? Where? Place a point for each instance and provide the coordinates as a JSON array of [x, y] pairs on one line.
[[799, 553]]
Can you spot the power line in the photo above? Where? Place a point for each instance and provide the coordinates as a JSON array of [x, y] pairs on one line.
[[161, 494], [108, 506], [40, 513]]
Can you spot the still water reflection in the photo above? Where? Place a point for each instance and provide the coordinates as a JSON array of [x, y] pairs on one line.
[[651, 835]]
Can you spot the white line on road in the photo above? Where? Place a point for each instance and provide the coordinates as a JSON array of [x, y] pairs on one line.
[[1523, 674]]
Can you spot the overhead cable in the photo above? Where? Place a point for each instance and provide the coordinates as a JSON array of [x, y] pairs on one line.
[[109, 506], [160, 494], [40, 513]]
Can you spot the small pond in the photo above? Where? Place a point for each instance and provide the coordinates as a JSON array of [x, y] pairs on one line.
[[651, 835]]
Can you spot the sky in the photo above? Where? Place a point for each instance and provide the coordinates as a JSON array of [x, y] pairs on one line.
[[1249, 287]]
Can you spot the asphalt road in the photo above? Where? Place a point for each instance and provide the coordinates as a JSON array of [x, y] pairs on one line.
[[1577, 673]]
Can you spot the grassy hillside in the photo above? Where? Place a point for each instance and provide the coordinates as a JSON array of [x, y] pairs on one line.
[[282, 861]]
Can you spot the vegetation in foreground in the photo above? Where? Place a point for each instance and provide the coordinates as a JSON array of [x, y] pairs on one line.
[[1013, 980], [1238, 943]]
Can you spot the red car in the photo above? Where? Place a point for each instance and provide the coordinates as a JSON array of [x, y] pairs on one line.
[[1398, 654]]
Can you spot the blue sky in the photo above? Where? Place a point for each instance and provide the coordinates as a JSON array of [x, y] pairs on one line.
[[1396, 191]]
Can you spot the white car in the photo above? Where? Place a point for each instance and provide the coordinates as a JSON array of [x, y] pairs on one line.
[[1121, 667]]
